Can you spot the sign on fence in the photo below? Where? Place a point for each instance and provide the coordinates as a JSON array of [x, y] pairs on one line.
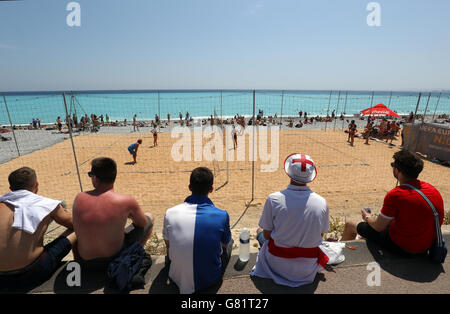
[[428, 139]]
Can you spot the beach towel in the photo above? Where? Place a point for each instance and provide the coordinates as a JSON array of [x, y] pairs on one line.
[[29, 209]]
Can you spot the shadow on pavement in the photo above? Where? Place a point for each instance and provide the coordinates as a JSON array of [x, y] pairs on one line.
[[417, 269], [268, 286]]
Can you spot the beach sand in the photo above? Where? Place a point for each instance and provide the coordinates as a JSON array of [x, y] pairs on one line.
[[349, 178]]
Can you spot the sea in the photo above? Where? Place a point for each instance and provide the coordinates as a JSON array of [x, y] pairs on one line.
[[20, 108]]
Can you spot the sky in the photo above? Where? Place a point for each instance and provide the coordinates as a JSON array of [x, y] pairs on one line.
[[224, 44]]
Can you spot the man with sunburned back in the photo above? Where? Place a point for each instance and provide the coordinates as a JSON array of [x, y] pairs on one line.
[[100, 215]]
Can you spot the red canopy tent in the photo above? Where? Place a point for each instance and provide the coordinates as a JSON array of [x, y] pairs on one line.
[[379, 110]]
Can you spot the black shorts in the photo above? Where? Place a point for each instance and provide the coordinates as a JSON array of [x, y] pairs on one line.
[[40, 270], [381, 238]]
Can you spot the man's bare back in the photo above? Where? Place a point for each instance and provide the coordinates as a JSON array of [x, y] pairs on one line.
[[19, 248], [99, 222]]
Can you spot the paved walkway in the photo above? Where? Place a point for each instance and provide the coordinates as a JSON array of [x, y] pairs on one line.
[[357, 274]]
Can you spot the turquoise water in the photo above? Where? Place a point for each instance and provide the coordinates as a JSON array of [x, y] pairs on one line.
[[120, 105]]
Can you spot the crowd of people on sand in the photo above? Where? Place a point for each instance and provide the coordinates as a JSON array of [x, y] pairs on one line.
[[197, 234]]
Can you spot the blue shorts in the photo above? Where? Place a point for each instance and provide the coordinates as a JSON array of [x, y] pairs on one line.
[[260, 238], [40, 270], [132, 151]]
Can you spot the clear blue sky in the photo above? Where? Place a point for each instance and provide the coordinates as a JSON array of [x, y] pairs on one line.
[[229, 44]]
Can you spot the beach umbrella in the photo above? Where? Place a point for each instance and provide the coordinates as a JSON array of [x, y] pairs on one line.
[[379, 110]]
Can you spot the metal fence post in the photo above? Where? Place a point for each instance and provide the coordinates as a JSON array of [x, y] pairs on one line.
[[437, 103], [71, 139], [426, 107], [10, 123], [328, 110], [253, 158]]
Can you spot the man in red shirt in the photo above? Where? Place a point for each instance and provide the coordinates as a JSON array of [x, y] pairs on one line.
[[405, 224]]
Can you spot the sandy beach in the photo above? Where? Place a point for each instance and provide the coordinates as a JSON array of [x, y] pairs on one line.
[[349, 178]]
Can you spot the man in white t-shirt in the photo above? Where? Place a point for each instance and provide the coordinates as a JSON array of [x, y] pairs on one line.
[[293, 223]]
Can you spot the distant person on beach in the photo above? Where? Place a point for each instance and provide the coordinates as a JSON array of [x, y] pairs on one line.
[[367, 132], [168, 118], [24, 219], [59, 123], [351, 132], [291, 228], [133, 149], [135, 124], [406, 224], [100, 216], [107, 119], [234, 134], [155, 135], [198, 237], [411, 117], [393, 130]]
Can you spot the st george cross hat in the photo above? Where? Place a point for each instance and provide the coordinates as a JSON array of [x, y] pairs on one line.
[[300, 168]]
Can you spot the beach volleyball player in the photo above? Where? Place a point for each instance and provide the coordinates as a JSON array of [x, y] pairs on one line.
[[133, 148]]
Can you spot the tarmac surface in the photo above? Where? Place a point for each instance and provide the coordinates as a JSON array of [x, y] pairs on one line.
[[367, 269]]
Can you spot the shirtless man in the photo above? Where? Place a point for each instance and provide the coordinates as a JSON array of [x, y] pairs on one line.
[[100, 215], [24, 261]]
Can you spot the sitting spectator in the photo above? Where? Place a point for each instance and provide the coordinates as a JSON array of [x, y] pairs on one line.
[[293, 223], [100, 216], [198, 237], [406, 223], [24, 218]]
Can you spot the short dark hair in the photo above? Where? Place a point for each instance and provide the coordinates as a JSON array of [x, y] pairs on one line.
[[408, 163], [201, 180], [22, 179], [105, 169]]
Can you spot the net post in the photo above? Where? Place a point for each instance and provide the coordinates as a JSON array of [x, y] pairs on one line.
[[10, 123], [425, 112], [328, 110], [417, 106], [71, 139], [281, 113], [253, 158], [337, 107], [437, 103], [345, 107]]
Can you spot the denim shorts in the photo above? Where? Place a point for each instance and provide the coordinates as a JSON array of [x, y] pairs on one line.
[[40, 270]]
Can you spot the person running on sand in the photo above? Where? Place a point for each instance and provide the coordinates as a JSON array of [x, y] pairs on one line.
[[155, 135], [133, 148]]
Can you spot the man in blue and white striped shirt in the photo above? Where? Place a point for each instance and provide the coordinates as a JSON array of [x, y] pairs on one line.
[[196, 234]]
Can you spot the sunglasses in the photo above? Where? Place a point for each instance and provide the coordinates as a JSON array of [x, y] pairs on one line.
[[90, 174]]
